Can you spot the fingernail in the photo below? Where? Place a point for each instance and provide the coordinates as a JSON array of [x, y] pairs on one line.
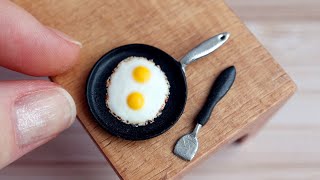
[[42, 114], [65, 37]]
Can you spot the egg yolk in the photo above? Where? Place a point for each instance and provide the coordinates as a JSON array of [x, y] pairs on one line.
[[141, 74], [135, 100]]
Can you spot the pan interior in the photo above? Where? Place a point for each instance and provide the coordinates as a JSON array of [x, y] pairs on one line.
[[96, 92]]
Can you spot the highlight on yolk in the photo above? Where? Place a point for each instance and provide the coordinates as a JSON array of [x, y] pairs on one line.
[[135, 100], [141, 74]]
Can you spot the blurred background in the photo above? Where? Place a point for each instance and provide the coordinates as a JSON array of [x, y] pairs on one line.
[[287, 148]]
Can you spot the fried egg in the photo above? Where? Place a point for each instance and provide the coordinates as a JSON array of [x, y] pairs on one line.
[[137, 91]]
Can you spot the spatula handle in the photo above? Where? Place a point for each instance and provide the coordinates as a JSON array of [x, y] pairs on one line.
[[220, 87]]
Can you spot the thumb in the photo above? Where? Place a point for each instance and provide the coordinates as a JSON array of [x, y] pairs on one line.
[[31, 113]]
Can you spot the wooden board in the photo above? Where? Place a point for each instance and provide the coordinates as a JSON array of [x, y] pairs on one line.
[[175, 27]]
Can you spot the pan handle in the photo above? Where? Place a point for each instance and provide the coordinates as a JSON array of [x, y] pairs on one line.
[[220, 88], [204, 49]]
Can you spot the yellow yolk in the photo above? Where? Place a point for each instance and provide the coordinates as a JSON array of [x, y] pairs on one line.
[[135, 101], [141, 74]]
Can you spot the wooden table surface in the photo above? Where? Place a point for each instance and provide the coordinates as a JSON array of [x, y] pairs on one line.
[[287, 148]]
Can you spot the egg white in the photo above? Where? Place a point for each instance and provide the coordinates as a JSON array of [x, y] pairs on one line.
[[121, 83]]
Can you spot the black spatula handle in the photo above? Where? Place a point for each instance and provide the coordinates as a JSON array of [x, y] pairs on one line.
[[220, 88]]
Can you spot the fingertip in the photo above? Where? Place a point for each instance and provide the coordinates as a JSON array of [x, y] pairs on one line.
[[64, 55], [65, 37], [54, 55], [29, 47]]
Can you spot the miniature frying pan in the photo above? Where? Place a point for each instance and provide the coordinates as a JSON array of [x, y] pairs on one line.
[[175, 72]]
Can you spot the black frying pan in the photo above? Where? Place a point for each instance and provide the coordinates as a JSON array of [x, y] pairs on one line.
[[174, 70]]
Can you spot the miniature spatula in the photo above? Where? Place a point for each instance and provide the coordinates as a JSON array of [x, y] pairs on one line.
[[187, 146]]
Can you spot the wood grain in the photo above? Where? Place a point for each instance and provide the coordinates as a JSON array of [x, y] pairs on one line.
[[193, 70]]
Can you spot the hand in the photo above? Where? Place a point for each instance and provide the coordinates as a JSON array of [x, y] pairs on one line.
[[32, 112]]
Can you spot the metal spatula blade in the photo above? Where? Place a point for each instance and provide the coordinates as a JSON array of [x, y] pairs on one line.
[[187, 146]]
